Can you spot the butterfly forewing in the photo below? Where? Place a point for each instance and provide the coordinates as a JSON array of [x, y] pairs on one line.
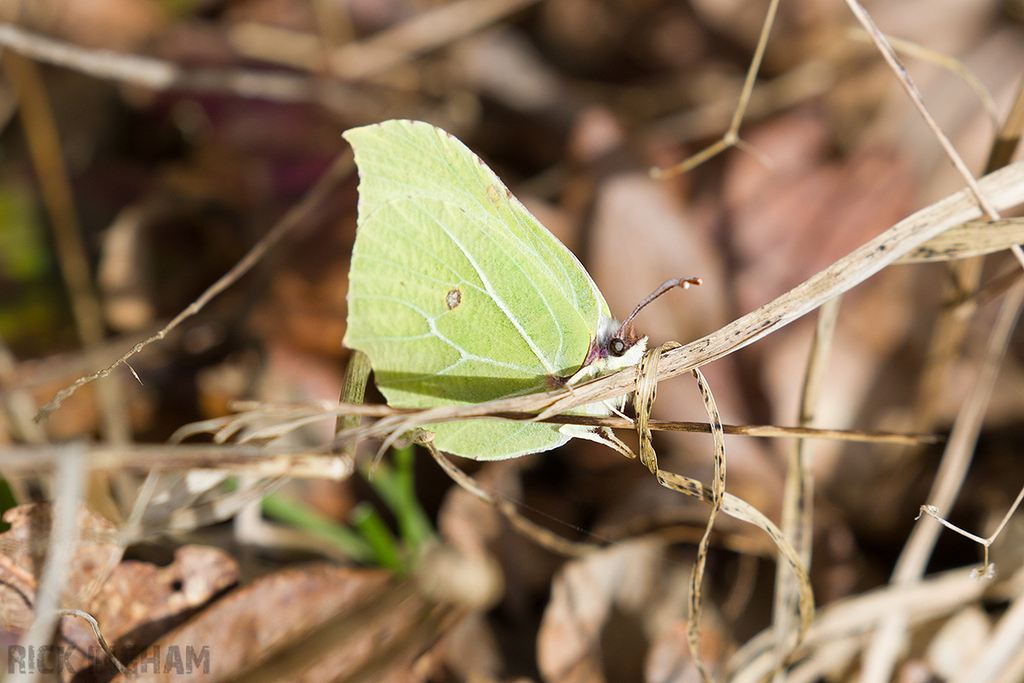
[[401, 158]]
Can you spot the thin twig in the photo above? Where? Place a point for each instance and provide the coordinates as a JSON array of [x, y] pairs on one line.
[[878, 38], [297, 215], [159, 74], [731, 138], [99, 637]]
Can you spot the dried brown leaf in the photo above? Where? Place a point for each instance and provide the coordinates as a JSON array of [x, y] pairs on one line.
[[255, 629], [22, 554]]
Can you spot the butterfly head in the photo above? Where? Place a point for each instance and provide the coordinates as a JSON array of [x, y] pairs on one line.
[[614, 346], [618, 346]]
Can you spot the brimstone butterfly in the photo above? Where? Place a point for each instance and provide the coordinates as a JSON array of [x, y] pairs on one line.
[[459, 295]]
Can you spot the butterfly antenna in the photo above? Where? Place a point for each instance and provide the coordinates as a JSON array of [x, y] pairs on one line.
[[683, 282]]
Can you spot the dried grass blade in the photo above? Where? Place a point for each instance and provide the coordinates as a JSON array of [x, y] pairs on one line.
[[798, 495], [717, 493], [973, 238], [742, 510]]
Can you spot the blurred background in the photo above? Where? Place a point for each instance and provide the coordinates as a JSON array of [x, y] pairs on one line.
[[147, 145]]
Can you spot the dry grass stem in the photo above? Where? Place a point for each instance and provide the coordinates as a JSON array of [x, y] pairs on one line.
[[1009, 134], [802, 83], [951, 64], [541, 536], [798, 493], [986, 570], [972, 239], [423, 33], [144, 458], [69, 483]]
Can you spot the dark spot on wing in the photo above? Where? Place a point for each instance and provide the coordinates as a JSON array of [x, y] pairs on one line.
[[492, 194], [453, 298]]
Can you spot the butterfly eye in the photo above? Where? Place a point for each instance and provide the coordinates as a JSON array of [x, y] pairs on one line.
[[617, 347]]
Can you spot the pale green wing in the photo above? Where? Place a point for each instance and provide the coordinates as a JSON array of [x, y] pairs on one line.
[[456, 293]]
